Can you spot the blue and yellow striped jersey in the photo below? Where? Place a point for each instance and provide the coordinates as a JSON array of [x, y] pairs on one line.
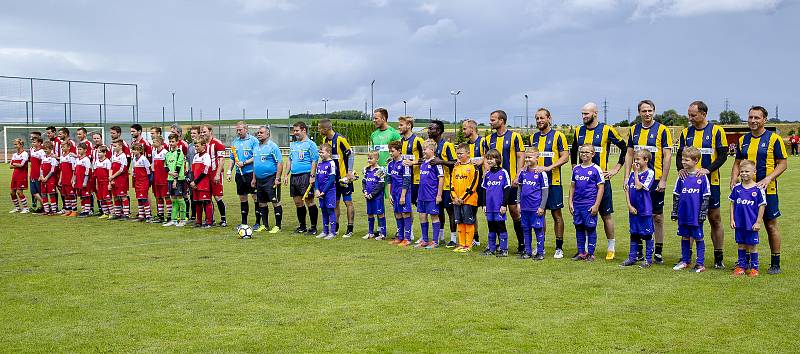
[[707, 140], [601, 137], [340, 153], [412, 150], [655, 139], [550, 147], [764, 151], [477, 149], [445, 150], [508, 144]]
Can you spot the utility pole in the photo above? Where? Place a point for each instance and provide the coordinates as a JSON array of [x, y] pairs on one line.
[[629, 114], [605, 111], [430, 113], [372, 95], [726, 104], [777, 116], [527, 124]]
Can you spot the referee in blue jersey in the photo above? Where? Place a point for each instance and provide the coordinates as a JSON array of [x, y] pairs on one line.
[[242, 163], [768, 151], [710, 139], [601, 136]]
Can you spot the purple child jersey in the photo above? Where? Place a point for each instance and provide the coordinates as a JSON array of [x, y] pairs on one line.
[[326, 179], [586, 179], [429, 181], [398, 171], [531, 185], [640, 198], [746, 202], [495, 182], [372, 177], [690, 191]]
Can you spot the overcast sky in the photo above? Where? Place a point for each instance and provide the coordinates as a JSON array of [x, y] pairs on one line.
[[281, 55]]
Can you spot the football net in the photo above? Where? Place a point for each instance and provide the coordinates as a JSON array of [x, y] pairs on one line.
[[23, 132]]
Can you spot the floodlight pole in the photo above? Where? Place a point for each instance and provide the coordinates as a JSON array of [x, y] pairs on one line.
[[371, 94], [455, 110], [173, 107]]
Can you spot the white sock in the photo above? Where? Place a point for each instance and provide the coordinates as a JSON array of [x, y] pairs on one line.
[[454, 237], [611, 244]]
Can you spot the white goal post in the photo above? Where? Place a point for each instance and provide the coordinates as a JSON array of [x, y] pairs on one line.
[[11, 132]]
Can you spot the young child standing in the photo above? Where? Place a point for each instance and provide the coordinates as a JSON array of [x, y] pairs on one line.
[[176, 175], [141, 182], [640, 208], [19, 177], [80, 180], [464, 189], [373, 186], [48, 179], [497, 184], [400, 192], [119, 181], [586, 192], [690, 208], [533, 192], [201, 185], [102, 172], [431, 181], [160, 185], [748, 202], [66, 166], [325, 190], [36, 155]]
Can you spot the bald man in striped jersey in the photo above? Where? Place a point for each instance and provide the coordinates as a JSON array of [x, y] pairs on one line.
[[601, 136]]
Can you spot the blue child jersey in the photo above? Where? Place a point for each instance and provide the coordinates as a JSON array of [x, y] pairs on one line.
[[746, 202], [690, 191], [302, 154], [429, 181], [244, 151], [530, 192], [586, 180], [399, 177], [640, 198], [266, 158], [372, 179], [326, 178], [495, 182]]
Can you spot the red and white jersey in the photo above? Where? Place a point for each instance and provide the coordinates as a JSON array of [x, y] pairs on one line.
[[159, 170], [82, 168], [141, 171], [56, 147], [49, 163], [216, 149], [73, 148], [148, 149], [20, 173], [67, 164], [184, 147], [96, 156], [89, 148], [36, 156], [202, 164], [102, 170], [119, 162]]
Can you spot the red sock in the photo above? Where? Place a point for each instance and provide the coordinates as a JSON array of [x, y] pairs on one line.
[[209, 212]]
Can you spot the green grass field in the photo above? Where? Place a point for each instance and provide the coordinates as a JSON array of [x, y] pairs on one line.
[[91, 285]]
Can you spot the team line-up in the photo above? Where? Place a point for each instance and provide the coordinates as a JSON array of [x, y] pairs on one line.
[[495, 173]]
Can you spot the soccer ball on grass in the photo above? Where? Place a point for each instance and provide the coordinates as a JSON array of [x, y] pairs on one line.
[[244, 231]]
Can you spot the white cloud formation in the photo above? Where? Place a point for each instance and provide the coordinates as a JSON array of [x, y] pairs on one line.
[[686, 8], [443, 29], [265, 5], [428, 7]]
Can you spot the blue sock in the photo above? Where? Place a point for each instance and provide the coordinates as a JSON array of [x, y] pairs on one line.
[[580, 236], [424, 226], [504, 241], [325, 220], [332, 220], [754, 260], [382, 226], [742, 261], [527, 239], [436, 231], [407, 225], [371, 223], [634, 247], [401, 225], [491, 239], [539, 240], [686, 250], [648, 250], [592, 233], [701, 251]]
